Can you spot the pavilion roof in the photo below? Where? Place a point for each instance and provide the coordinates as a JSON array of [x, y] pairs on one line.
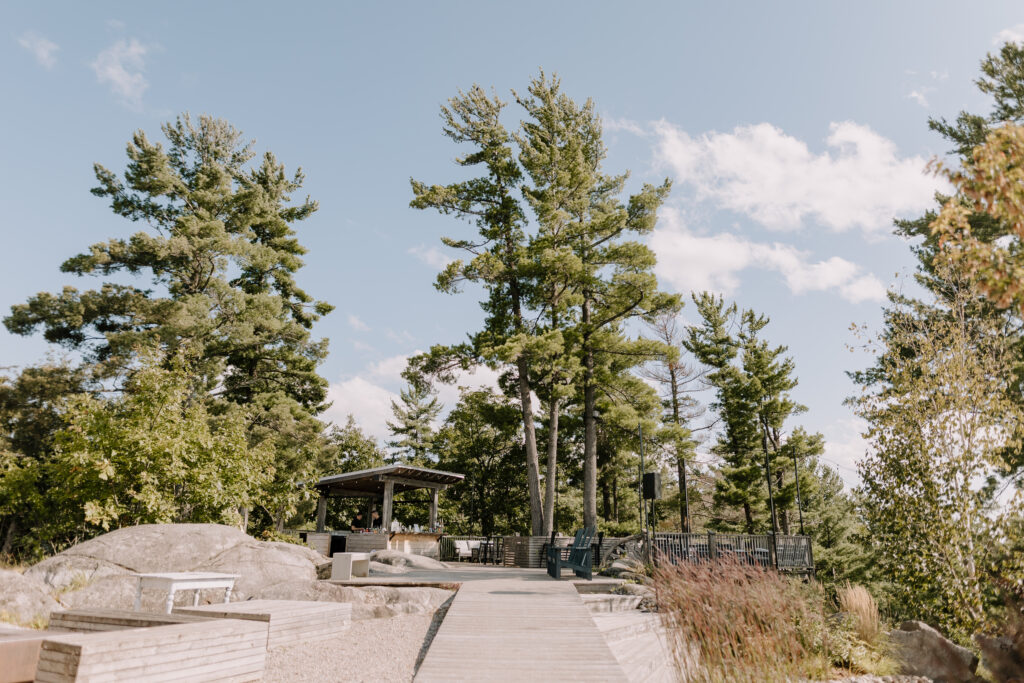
[[371, 481]]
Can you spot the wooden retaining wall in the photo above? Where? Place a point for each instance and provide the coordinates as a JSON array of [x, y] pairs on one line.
[[289, 621], [90, 620], [211, 650]]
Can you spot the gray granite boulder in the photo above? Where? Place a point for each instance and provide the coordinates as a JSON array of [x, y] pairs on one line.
[[24, 601], [923, 651], [99, 572], [368, 602], [400, 559]]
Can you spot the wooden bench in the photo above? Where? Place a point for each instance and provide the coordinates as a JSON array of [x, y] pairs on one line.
[[579, 559], [210, 650], [288, 621], [347, 565], [98, 619]]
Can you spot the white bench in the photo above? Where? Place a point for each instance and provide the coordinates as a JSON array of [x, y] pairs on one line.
[[182, 581], [347, 565]]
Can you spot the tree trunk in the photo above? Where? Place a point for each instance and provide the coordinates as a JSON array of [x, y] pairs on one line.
[[589, 445], [615, 498], [749, 514], [9, 537], [684, 496], [551, 482], [606, 500], [532, 460]]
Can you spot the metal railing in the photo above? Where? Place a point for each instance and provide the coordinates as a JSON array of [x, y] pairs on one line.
[[786, 553], [481, 549]]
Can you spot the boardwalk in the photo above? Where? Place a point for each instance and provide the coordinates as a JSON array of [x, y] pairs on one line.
[[518, 628]]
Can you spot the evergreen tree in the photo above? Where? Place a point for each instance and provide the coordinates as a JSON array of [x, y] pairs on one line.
[[217, 274], [841, 553], [716, 343], [609, 277], [679, 382], [412, 426], [498, 260]]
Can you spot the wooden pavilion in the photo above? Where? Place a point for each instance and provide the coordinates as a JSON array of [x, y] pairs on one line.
[[382, 483]]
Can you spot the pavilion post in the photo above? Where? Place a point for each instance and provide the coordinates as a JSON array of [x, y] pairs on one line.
[[389, 495], [433, 509], [321, 512]]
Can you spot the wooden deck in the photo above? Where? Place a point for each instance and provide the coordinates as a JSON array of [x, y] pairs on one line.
[[518, 628]]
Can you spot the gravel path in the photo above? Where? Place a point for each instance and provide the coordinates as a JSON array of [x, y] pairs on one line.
[[372, 650]]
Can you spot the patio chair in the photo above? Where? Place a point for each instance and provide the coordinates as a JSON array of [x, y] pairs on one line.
[[462, 550], [579, 560]]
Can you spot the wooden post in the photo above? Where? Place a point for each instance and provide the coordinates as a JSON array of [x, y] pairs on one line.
[[433, 509], [321, 512], [389, 495]]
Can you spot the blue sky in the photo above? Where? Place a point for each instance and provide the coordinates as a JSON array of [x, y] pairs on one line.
[[793, 132]]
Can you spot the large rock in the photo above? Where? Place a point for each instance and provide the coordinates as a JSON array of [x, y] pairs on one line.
[[923, 651], [1003, 657], [368, 602], [400, 559], [24, 600], [381, 568], [99, 572]]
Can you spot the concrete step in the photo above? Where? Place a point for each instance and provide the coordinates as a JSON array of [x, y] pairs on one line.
[[645, 658], [616, 626], [607, 602]]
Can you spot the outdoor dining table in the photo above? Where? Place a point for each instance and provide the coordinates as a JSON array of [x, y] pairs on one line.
[[173, 582]]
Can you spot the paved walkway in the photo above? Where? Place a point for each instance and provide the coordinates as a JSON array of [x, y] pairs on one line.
[[518, 626]]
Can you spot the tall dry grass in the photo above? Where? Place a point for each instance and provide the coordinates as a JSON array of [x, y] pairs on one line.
[[858, 603], [735, 622]]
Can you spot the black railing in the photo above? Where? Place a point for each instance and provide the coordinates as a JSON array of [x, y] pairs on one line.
[[471, 548], [786, 553]]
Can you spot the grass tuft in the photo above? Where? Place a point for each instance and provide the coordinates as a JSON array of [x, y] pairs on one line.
[[735, 622]]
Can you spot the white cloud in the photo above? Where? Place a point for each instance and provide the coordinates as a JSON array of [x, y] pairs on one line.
[[919, 95], [45, 51], [1014, 34], [611, 124], [774, 178], [121, 67], [356, 324], [367, 396], [691, 262], [845, 447], [432, 256]]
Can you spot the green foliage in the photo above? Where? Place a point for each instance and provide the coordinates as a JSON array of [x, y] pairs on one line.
[[153, 455], [841, 553], [213, 277], [482, 439], [941, 415], [752, 382]]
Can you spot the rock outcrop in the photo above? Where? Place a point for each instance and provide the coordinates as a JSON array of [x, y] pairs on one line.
[[400, 559], [368, 602], [923, 651], [98, 572], [1003, 656], [24, 600]]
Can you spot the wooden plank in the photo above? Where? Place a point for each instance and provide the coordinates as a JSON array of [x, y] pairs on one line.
[[510, 629], [162, 636]]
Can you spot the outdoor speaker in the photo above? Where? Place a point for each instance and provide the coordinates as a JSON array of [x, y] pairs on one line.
[[652, 486]]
